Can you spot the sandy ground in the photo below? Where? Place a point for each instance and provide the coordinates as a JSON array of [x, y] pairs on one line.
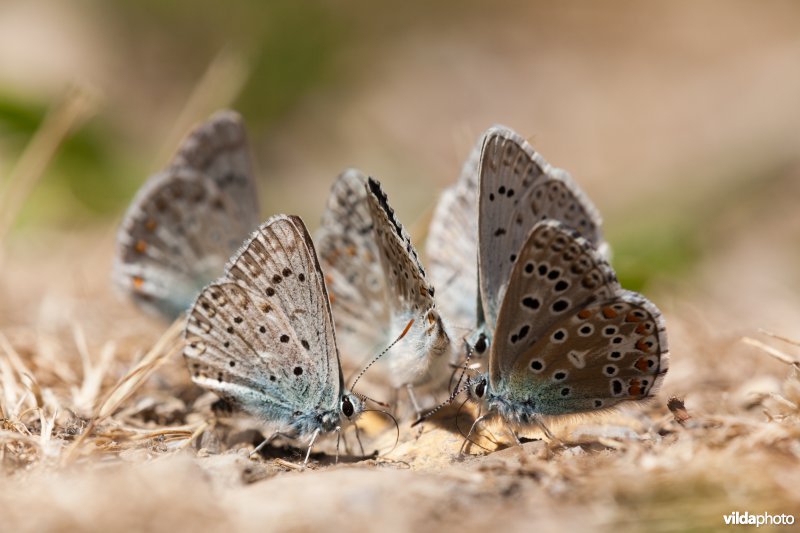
[[158, 458]]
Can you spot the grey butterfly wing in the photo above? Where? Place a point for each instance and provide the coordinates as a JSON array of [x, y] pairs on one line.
[[262, 336], [187, 220], [218, 148], [353, 273], [556, 271], [452, 246], [517, 189], [407, 286], [617, 352], [420, 361]]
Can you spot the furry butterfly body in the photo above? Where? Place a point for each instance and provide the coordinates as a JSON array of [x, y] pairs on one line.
[[378, 283]]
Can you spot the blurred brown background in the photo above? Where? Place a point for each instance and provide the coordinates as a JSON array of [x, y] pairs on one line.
[[672, 115], [680, 119]]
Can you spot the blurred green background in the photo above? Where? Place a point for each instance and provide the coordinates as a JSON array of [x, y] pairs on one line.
[[680, 119]]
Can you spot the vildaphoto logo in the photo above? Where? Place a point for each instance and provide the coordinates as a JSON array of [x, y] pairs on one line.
[[764, 519]]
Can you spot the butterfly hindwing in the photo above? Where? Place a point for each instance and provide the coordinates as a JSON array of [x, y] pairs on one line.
[[218, 149], [600, 355], [188, 219], [226, 356], [452, 246], [518, 188], [350, 260], [265, 328], [421, 359], [556, 272], [406, 282]]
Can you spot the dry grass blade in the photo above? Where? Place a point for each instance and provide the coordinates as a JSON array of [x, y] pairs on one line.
[[76, 106], [25, 375], [166, 346], [220, 85], [779, 337], [85, 398], [196, 433], [774, 352], [10, 392]]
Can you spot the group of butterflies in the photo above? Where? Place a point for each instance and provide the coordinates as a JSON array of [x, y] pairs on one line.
[[524, 290]]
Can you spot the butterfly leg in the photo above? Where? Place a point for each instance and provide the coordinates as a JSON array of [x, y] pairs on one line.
[[394, 402], [413, 398], [344, 440], [311, 445], [415, 404], [512, 433], [546, 431], [339, 437], [269, 440], [471, 431], [358, 438]]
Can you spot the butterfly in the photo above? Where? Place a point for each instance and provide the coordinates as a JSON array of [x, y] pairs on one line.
[[350, 260], [262, 336], [378, 284], [568, 338], [188, 219], [480, 223]]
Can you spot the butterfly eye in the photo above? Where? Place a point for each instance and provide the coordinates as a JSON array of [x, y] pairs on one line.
[[480, 389], [347, 407], [480, 344]]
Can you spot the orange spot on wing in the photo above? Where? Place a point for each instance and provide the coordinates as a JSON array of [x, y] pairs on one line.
[[584, 314], [138, 282], [641, 364], [636, 388], [608, 312], [141, 246], [632, 318], [351, 251], [641, 345], [641, 328], [150, 225]]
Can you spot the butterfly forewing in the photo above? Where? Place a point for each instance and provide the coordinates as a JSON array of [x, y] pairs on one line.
[[556, 272], [518, 188], [353, 273], [188, 219], [218, 149], [408, 289], [452, 246], [230, 349], [597, 356], [266, 326]]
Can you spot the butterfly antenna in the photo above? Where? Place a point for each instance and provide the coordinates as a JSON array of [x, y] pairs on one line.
[[452, 397], [464, 367], [403, 334], [365, 398]]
